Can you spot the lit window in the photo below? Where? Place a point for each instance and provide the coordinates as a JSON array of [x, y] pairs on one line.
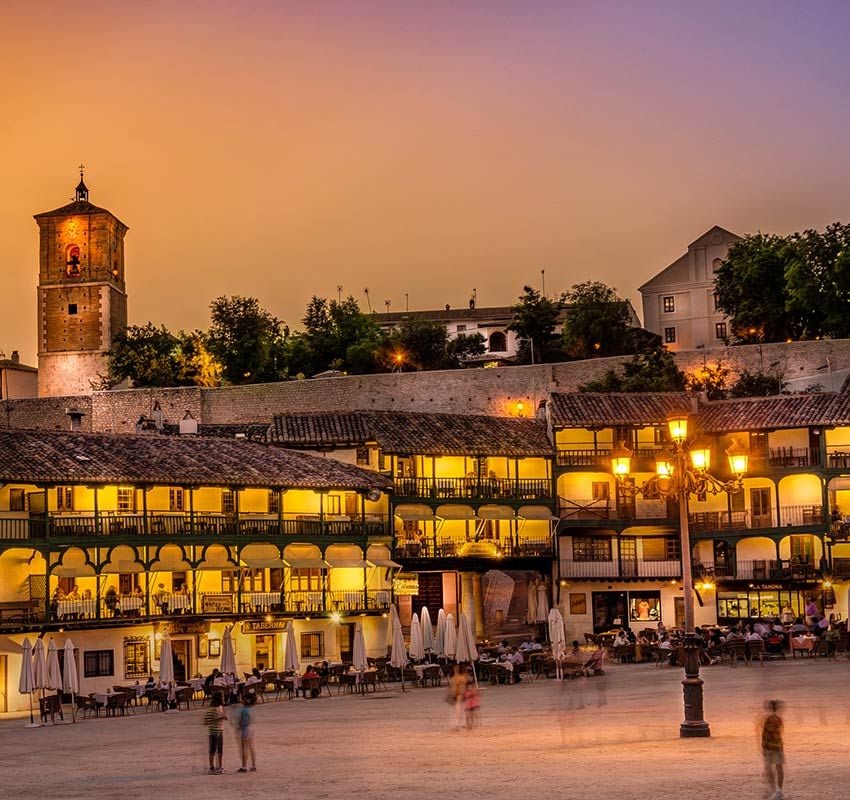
[[175, 499], [136, 659], [717, 301], [591, 548], [720, 330], [228, 501], [669, 304], [17, 500], [274, 501], [312, 645], [669, 335], [126, 498], [64, 498]]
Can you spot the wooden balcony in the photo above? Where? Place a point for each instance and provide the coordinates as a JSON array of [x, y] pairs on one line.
[[85, 526], [573, 509], [516, 489], [614, 570], [760, 569], [788, 516], [643, 458], [524, 547]]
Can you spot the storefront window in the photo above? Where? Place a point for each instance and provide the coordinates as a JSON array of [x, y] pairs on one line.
[[756, 604], [645, 606]]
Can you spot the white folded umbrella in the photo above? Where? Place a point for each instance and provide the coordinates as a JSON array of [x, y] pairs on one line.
[[440, 637], [466, 649], [228, 654], [558, 638], [166, 661], [416, 648], [391, 621], [70, 676], [450, 646], [54, 674], [427, 630], [398, 652], [290, 654], [542, 603], [358, 657], [39, 666]]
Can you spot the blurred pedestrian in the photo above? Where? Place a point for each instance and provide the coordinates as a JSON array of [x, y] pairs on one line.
[[243, 721], [472, 704], [773, 748], [214, 720]]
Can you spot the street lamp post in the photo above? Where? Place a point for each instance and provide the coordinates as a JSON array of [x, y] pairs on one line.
[[676, 478]]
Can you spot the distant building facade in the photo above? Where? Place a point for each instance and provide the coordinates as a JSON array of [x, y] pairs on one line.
[[82, 297], [679, 302], [17, 381]]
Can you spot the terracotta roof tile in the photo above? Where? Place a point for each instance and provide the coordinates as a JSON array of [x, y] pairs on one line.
[[51, 457], [592, 410], [771, 413], [411, 432]]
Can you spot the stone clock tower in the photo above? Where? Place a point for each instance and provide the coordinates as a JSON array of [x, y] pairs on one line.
[[82, 298]]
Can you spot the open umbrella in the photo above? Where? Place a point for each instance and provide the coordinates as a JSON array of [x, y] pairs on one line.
[[358, 657], [531, 614], [39, 666], [416, 649], [558, 638], [290, 655], [450, 645], [391, 621], [228, 655], [26, 685], [70, 678], [440, 637], [427, 630], [54, 674], [398, 652]]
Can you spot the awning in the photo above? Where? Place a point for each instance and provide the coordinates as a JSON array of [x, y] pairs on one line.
[[378, 555], [74, 571], [261, 556], [346, 563], [536, 512], [495, 512], [413, 511], [455, 512], [307, 563]]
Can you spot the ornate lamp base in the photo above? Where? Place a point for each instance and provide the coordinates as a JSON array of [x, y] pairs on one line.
[[693, 725]]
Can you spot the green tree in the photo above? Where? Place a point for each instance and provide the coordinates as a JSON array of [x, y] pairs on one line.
[[420, 345], [653, 371], [534, 320], [756, 384], [246, 339], [146, 356], [751, 289], [464, 346], [712, 379], [597, 322], [197, 365], [818, 281]]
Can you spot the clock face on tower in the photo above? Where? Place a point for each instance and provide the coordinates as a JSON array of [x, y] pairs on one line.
[[72, 262]]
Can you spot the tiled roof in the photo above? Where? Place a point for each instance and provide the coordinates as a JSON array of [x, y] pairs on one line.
[[592, 410], [411, 432], [254, 432], [77, 207], [50, 457], [771, 413]]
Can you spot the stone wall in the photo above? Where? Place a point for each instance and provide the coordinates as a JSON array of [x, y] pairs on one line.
[[478, 391], [45, 413]]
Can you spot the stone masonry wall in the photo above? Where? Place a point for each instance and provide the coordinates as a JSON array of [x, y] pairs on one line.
[[478, 391]]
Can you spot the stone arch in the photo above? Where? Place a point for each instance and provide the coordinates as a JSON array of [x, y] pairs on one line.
[[498, 342]]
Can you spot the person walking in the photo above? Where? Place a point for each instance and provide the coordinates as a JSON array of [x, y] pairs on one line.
[[214, 720], [243, 721], [457, 690], [773, 748]]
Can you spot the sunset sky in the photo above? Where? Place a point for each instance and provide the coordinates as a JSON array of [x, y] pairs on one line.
[[280, 149]]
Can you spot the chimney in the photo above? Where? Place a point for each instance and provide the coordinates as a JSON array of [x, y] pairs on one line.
[[157, 416], [16, 357], [188, 425]]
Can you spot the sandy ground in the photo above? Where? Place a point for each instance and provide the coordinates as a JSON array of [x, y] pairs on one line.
[[610, 737]]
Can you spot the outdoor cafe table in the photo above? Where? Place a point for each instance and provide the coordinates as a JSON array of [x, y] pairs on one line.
[[78, 608], [804, 642], [261, 600], [177, 601], [354, 678], [130, 603]]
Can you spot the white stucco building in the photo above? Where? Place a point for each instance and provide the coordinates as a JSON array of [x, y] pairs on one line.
[[679, 302]]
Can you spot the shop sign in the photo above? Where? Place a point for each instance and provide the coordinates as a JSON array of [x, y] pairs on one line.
[[217, 604], [263, 626], [406, 583]]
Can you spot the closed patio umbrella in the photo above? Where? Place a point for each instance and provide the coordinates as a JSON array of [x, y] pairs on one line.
[[398, 652], [290, 654], [466, 649], [391, 621], [228, 654], [450, 645], [531, 613], [542, 603], [166, 661], [416, 648], [440, 636], [39, 666], [70, 676], [54, 674], [558, 638], [358, 656], [26, 684], [427, 630]]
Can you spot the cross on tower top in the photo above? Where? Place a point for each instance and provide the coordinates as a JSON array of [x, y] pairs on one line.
[[82, 194]]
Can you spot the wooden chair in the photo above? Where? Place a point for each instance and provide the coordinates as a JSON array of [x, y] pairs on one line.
[[823, 649], [84, 705], [116, 704], [625, 653], [755, 650], [737, 651], [49, 706]]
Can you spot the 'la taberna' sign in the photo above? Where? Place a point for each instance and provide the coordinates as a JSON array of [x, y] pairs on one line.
[[263, 626], [406, 583]]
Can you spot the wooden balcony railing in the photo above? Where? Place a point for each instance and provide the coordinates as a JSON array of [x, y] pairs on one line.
[[524, 547], [794, 516], [760, 569], [628, 568], [604, 508], [474, 489], [76, 526]]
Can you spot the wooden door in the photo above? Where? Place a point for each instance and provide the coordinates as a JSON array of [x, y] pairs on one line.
[[628, 556], [760, 508], [345, 638], [679, 611], [181, 652], [430, 593]]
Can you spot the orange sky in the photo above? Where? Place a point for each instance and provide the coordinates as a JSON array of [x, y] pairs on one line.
[[279, 149]]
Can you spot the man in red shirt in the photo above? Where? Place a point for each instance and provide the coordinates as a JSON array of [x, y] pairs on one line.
[[773, 748]]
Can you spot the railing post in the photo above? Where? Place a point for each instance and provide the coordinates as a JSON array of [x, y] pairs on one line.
[[191, 510]]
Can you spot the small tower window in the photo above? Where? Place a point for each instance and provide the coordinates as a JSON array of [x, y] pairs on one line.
[[72, 308]]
